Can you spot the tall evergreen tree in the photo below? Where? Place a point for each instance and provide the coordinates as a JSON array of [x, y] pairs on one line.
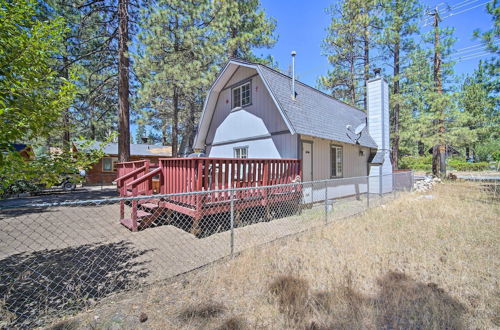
[[401, 20], [183, 45], [347, 46]]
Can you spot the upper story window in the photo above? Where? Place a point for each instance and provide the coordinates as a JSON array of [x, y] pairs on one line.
[[242, 95], [241, 152], [336, 160]]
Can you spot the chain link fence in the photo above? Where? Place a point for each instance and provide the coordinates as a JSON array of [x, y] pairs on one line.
[[59, 258]]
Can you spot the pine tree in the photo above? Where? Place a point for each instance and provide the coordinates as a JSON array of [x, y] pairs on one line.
[[347, 47], [479, 118], [400, 26], [183, 46]]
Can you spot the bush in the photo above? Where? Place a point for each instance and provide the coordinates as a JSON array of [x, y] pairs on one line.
[[424, 163], [458, 165], [19, 187], [418, 163]]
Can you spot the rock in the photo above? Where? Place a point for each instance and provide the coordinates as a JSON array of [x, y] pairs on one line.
[[143, 317]]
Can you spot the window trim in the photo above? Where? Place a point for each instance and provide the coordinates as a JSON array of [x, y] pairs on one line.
[[239, 86], [334, 147], [114, 160], [240, 147]]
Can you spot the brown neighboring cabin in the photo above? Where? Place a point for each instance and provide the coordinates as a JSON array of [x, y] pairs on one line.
[[104, 172]]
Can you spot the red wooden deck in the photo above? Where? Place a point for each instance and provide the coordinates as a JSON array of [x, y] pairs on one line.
[[204, 175]]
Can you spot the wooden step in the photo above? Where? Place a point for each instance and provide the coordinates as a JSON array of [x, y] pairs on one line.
[[142, 217], [149, 200], [142, 214], [149, 206]]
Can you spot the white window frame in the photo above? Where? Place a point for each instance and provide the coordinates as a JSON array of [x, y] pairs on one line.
[[241, 152], [114, 160], [239, 89], [336, 161]]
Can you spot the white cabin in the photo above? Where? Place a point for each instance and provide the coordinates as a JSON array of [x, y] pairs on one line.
[[250, 113]]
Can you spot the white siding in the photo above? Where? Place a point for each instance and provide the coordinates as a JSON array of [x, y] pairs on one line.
[[254, 121], [242, 128], [354, 164]]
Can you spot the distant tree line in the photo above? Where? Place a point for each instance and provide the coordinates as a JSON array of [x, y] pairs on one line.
[[91, 68], [431, 107]]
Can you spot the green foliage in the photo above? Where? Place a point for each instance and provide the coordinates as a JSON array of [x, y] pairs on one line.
[[424, 163], [460, 165], [48, 168], [348, 36], [19, 187], [418, 163], [177, 68], [32, 95]]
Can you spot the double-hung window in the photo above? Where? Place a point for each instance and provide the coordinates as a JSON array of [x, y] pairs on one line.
[[242, 95], [336, 158], [241, 152]]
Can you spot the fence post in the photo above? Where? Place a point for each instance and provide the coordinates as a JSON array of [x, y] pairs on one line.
[[326, 202], [232, 222], [368, 191], [412, 178]]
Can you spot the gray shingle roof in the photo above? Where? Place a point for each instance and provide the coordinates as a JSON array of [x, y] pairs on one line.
[[315, 113], [135, 149]]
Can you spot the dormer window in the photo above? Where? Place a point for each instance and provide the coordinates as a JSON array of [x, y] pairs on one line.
[[242, 95]]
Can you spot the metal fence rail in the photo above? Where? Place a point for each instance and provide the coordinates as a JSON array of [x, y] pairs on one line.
[[59, 258]]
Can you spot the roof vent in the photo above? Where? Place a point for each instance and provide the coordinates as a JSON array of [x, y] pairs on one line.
[[377, 71]]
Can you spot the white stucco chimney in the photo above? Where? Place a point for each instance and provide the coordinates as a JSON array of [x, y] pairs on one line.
[[378, 111], [378, 127]]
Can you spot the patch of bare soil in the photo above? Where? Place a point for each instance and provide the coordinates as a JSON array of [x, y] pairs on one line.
[[416, 263]]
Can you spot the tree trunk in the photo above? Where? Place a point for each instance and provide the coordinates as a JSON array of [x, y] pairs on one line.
[[352, 87], [439, 152], [395, 114], [123, 83], [366, 60], [175, 123]]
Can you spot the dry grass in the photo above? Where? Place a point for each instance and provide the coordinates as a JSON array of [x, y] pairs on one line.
[[423, 261]]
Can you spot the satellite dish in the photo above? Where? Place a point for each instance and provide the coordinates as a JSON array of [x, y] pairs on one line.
[[349, 128], [360, 128]]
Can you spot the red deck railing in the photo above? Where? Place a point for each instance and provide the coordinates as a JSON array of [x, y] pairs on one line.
[[213, 175], [182, 175]]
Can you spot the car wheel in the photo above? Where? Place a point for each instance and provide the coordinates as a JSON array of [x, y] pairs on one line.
[[69, 186]]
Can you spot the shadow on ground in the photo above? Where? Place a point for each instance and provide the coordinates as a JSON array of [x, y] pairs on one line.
[[401, 303], [34, 286]]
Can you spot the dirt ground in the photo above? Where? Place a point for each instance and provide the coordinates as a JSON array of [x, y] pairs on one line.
[[58, 260], [426, 260]]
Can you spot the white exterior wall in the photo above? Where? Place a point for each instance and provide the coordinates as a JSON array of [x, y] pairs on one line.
[[378, 127], [353, 166], [258, 126]]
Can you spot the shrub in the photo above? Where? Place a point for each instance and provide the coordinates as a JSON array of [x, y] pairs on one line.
[[419, 163], [19, 187], [464, 166], [424, 163]]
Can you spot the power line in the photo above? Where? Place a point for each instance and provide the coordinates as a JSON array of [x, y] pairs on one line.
[[450, 10], [466, 10]]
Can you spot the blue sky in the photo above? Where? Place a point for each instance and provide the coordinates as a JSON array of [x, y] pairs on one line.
[[301, 26]]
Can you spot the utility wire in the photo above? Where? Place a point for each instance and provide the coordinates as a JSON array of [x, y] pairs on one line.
[[450, 10]]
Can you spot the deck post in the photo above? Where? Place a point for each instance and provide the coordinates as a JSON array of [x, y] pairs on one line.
[[123, 191], [232, 222], [135, 227]]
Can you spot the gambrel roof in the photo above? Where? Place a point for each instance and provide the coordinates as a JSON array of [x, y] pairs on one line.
[[312, 113]]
